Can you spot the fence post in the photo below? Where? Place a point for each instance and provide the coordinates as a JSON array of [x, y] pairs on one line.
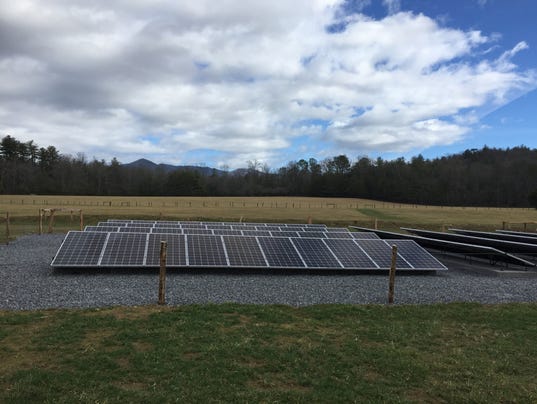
[[40, 221], [8, 230], [391, 289], [376, 224], [51, 221], [162, 274], [81, 220]]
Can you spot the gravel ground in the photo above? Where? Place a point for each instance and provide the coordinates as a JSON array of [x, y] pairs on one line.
[[28, 282]]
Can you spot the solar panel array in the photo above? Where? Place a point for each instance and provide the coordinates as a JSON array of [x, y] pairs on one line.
[[193, 244]]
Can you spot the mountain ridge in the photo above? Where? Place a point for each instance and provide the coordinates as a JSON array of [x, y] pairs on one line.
[[167, 168]]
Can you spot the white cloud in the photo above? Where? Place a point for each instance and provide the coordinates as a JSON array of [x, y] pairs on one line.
[[242, 78]]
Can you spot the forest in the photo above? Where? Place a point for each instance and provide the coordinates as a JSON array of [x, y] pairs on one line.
[[476, 177]]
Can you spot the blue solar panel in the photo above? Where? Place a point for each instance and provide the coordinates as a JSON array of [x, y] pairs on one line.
[[206, 251], [350, 254], [124, 250], [80, 249], [281, 253], [244, 252], [315, 253], [175, 256]]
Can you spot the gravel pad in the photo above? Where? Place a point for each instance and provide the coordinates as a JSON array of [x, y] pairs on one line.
[[28, 282]]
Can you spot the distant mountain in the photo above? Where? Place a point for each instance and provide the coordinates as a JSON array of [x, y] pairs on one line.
[[207, 171]]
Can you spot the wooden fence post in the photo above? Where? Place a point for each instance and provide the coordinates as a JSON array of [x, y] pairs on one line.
[[162, 274], [51, 220], [391, 289], [40, 221], [8, 230], [81, 220], [376, 224]]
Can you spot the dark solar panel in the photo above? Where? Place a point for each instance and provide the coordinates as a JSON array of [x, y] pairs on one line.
[[134, 246], [256, 233], [350, 254], [280, 253], [269, 228], [336, 230], [124, 249], [315, 253], [381, 252], [175, 254], [339, 235], [132, 229], [189, 230], [226, 232], [415, 255], [140, 224], [313, 234], [218, 227], [364, 235], [111, 224], [284, 234], [252, 228], [244, 252], [174, 230], [206, 251], [107, 229], [80, 249]]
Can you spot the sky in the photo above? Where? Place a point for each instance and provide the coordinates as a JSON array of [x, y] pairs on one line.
[[223, 83]]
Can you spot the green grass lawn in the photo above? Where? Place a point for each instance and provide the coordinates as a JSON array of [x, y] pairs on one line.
[[246, 353]]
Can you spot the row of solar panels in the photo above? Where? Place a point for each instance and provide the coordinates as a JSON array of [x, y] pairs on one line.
[[228, 232], [471, 243], [218, 226], [210, 225], [103, 249]]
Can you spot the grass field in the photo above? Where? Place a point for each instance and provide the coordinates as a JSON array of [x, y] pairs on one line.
[[24, 212], [242, 353]]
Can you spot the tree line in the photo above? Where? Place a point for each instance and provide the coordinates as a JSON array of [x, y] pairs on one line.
[[476, 177]]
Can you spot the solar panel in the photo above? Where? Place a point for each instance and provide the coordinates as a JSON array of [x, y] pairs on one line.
[[350, 254], [315, 253], [175, 254], [474, 250], [106, 229], [281, 253], [124, 249], [175, 230], [256, 233], [132, 229], [206, 251], [189, 230], [364, 235], [269, 228], [252, 228], [111, 224], [226, 232], [284, 234], [380, 252], [347, 235], [415, 255], [218, 227], [134, 246], [314, 234], [140, 224], [244, 252], [80, 249], [336, 230]]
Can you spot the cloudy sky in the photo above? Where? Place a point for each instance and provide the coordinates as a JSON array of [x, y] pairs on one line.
[[225, 82]]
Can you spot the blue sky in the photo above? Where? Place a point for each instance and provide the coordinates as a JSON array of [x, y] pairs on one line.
[[224, 83]]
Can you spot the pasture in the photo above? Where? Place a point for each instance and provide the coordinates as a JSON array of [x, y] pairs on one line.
[[24, 212]]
